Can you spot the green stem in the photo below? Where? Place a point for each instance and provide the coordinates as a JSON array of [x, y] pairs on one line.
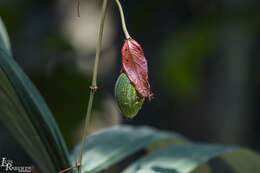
[[127, 36], [93, 86]]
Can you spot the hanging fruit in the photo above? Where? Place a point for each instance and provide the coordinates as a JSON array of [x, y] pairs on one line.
[[132, 86], [128, 100]]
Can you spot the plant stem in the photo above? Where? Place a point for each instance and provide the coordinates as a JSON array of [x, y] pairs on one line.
[[78, 7], [127, 36], [93, 86]]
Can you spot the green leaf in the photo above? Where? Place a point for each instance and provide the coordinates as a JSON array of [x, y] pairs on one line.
[[242, 160], [25, 114], [4, 40], [203, 168], [180, 158], [58, 90], [108, 147]]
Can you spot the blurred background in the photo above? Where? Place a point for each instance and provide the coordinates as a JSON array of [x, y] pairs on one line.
[[203, 64]]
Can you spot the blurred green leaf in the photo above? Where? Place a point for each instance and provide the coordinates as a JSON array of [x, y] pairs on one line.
[[164, 143], [25, 114], [66, 93], [203, 168], [4, 40], [180, 158], [242, 160], [182, 55], [108, 147], [14, 12]]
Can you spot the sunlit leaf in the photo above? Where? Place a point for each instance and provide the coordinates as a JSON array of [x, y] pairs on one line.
[[181, 158], [108, 147]]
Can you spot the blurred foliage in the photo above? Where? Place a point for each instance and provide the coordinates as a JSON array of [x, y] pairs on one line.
[[15, 12], [24, 113], [66, 93], [248, 157], [182, 57]]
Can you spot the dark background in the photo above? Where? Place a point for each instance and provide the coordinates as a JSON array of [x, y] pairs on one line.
[[203, 64]]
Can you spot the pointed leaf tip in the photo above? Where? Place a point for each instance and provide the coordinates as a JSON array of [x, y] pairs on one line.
[[135, 67]]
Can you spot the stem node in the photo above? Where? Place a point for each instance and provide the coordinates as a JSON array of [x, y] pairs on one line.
[[94, 88]]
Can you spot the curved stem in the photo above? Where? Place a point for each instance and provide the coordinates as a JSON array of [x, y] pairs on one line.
[[93, 87], [123, 19]]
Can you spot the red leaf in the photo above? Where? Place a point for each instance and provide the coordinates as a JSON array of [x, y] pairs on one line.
[[135, 67]]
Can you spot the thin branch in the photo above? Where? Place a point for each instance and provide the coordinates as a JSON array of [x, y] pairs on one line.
[[93, 87], [78, 7], [68, 169]]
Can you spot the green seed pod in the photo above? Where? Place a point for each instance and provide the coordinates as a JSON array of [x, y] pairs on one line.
[[128, 100]]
